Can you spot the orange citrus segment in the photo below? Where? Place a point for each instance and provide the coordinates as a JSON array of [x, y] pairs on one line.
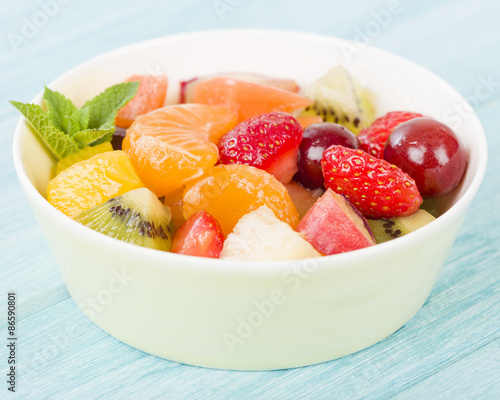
[[149, 97], [83, 154], [247, 98], [176, 144], [92, 182], [227, 192], [174, 202], [306, 120]]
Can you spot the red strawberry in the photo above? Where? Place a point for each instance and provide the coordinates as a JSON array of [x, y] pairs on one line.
[[372, 139], [269, 142], [377, 188], [201, 235]]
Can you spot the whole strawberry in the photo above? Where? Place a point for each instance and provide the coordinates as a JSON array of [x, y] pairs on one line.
[[377, 188], [372, 139], [269, 142]]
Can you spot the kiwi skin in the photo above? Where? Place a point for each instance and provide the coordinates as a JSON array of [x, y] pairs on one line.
[[137, 217], [386, 229]]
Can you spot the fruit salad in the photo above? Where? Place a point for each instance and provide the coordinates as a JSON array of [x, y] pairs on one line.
[[246, 167]]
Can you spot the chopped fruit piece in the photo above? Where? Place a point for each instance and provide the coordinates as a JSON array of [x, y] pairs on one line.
[[187, 87], [372, 139], [83, 154], [149, 97], [334, 226], [307, 120], [377, 189], [260, 236], [176, 144], [246, 98], [317, 138], [388, 229], [118, 137], [269, 142], [430, 153], [303, 198], [92, 182], [201, 236], [431, 205], [137, 217], [174, 202], [339, 98], [230, 191]]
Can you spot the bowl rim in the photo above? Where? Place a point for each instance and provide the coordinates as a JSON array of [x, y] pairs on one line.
[[239, 266]]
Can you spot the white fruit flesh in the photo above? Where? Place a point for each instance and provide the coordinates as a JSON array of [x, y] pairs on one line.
[[261, 236]]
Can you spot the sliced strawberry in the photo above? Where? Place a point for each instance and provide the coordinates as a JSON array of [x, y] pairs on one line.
[[377, 188], [201, 236], [372, 139], [269, 142], [333, 225]]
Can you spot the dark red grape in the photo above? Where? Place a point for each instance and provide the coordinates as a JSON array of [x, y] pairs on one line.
[[118, 136], [430, 153], [317, 138]]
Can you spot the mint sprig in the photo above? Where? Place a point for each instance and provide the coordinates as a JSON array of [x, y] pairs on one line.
[[64, 129], [60, 144]]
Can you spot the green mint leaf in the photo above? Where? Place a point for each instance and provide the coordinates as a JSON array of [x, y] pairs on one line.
[[83, 118], [105, 138], [103, 108], [59, 107], [54, 139], [92, 137], [70, 125]]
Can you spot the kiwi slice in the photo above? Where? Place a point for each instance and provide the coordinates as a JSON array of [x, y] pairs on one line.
[[136, 217], [388, 229], [431, 206], [340, 99]]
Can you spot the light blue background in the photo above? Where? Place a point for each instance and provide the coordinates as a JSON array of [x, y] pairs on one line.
[[450, 349]]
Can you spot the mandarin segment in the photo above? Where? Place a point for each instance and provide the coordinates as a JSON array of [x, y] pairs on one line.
[[228, 192], [92, 182], [173, 145]]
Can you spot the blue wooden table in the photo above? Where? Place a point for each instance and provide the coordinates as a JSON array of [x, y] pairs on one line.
[[450, 349]]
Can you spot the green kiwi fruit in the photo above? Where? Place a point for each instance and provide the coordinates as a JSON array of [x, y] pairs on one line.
[[431, 206], [340, 99], [136, 217], [388, 229]]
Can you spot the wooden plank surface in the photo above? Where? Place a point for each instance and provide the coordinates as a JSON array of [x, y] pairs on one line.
[[449, 350]]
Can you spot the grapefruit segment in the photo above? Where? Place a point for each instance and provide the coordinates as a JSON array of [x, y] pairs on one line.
[[248, 99], [306, 120], [149, 97], [187, 87], [176, 144]]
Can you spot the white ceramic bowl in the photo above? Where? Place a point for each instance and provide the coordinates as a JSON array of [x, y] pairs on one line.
[[252, 315]]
